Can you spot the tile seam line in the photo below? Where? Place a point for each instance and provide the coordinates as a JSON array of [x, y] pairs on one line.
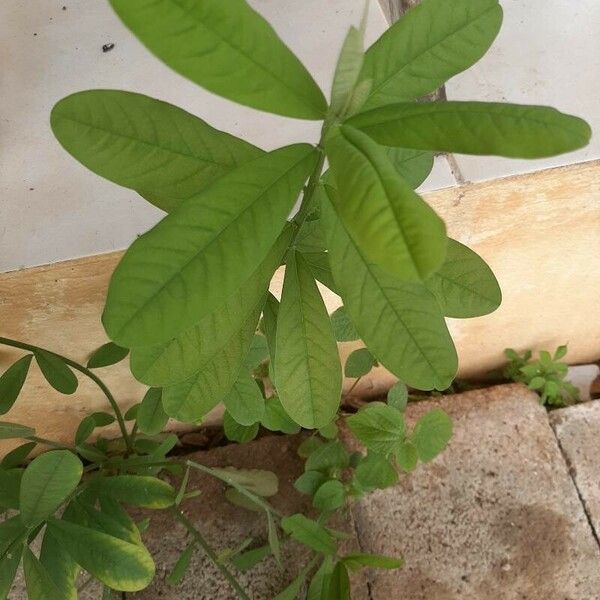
[[358, 531]]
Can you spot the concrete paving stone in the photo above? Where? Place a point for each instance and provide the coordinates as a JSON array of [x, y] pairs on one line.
[[578, 431], [495, 516]]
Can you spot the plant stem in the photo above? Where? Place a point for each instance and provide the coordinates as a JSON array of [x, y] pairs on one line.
[[87, 373], [210, 553], [41, 440], [311, 186], [353, 386]]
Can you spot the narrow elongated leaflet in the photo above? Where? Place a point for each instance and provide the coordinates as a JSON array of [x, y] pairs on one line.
[[56, 372], [318, 263], [513, 130], [400, 322], [158, 149], [38, 580], [182, 269], [108, 354], [16, 457], [10, 431], [9, 564], [60, 565], [227, 48], [429, 44], [358, 561], [245, 402], [137, 490], [347, 70], [391, 224], [11, 382], [339, 583], [270, 312], [464, 286], [309, 532], [308, 370]]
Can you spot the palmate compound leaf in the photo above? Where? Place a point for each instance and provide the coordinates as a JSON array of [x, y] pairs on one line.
[[501, 129], [155, 148], [308, 370], [393, 226], [464, 286], [182, 269], [400, 322], [227, 48], [427, 46]]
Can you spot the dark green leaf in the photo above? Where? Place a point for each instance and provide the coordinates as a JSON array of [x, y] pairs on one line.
[[309, 533], [85, 429], [330, 496], [46, 483], [310, 236], [10, 486], [512, 130], [151, 416], [308, 446], [276, 418], [358, 561], [11, 530], [9, 564], [236, 432], [39, 582], [375, 472], [251, 558], [269, 323], [431, 434], [431, 43], [132, 411], [339, 583], [309, 482], [273, 537], [245, 402], [102, 419], [137, 490], [106, 355], [62, 568], [9, 431], [17, 456], [56, 371], [11, 382], [397, 396], [320, 581], [176, 576], [378, 426], [359, 363], [343, 328]]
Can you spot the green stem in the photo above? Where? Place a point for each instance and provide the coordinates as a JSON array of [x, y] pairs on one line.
[[210, 553], [41, 440], [311, 186], [87, 373]]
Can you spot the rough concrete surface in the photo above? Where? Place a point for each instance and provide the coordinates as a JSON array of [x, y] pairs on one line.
[[495, 516], [578, 431]]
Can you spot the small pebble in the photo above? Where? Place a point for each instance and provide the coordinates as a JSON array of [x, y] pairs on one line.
[[108, 47]]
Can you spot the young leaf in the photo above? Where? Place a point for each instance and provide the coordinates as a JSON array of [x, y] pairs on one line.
[[375, 472], [245, 402], [343, 328], [309, 532], [347, 70], [430, 44], [308, 370], [39, 582], [176, 576], [17, 457], [229, 49], [330, 456], [293, 589], [431, 434], [236, 432], [502, 129], [137, 490], [309, 482], [392, 225], [378, 426], [121, 565], [11, 382], [46, 483], [277, 419], [160, 150], [10, 431], [151, 416], [258, 481], [339, 583], [10, 486], [412, 165], [56, 372], [330, 496], [400, 323], [182, 269], [108, 354], [359, 363], [397, 396], [464, 286], [358, 561]]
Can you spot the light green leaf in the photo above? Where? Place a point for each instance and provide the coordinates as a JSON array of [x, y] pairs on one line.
[[343, 328], [46, 483], [407, 457], [502, 129], [464, 286], [397, 396], [359, 561], [347, 70], [245, 402], [318, 263], [62, 568], [309, 532], [151, 416], [9, 431], [308, 371], [11, 382], [329, 496], [121, 565], [16, 457], [412, 165], [39, 582], [359, 363], [328, 457], [56, 372], [431, 434], [258, 352], [277, 419], [160, 150], [228, 49], [309, 482], [391, 224], [258, 481], [10, 486], [310, 236], [339, 583], [375, 472], [236, 432], [378, 426], [401, 323], [107, 355], [430, 44], [137, 490]]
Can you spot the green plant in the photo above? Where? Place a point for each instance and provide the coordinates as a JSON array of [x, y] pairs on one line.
[[546, 375], [185, 300]]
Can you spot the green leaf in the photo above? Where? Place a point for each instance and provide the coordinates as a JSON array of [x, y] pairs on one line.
[[245, 402], [46, 483], [182, 269], [293, 589], [62, 568], [258, 481], [397, 396], [277, 419], [309, 532], [430, 44], [39, 582], [85, 429], [269, 323], [359, 363], [375, 472], [228, 49], [251, 558], [358, 561], [394, 227], [102, 419], [330, 496], [343, 328], [378, 426], [464, 286], [431, 434], [320, 581], [17, 457], [309, 482], [176, 576], [10, 486], [308, 446], [9, 431], [273, 538], [310, 236], [412, 165], [347, 70], [160, 150], [308, 371], [512, 130], [56, 372], [137, 490], [151, 416], [121, 565], [330, 431], [105, 523], [9, 564], [318, 263], [258, 352], [236, 432], [401, 323], [330, 456], [339, 583], [108, 354], [11, 530], [11, 382]]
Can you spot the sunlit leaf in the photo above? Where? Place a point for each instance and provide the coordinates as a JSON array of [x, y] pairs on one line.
[[431, 434], [137, 490]]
